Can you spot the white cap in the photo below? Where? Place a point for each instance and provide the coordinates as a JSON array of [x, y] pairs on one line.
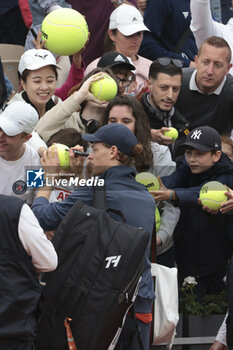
[[127, 19], [34, 59], [18, 117]]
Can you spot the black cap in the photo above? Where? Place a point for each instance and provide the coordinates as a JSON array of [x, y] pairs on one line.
[[112, 59], [114, 134], [203, 138]]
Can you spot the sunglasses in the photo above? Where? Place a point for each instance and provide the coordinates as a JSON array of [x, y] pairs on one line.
[[165, 61]]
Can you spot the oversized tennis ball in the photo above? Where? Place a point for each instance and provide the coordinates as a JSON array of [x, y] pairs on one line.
[[104, 89], [149, 180], [173, 133], [63, 155], [157, 219], [212, 194], [65, 31]]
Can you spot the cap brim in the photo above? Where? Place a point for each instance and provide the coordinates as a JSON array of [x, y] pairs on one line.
[[196, 146], [90, 138], [38, 66], [126, 65], [9, 128], [132, 29]]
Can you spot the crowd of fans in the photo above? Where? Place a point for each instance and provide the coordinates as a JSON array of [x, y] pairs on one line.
[[172, 63]]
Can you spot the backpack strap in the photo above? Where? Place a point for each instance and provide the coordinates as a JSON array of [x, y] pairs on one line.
[[182, 40], [100, 202], [137, 327], [99, 197]]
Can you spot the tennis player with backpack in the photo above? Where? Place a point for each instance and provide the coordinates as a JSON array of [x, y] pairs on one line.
[[103, 254]]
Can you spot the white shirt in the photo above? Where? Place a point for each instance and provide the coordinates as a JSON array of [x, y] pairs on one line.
[[13, 174], [222, 332], [163, 165], [203, 26], [35, 242], [193, 86]]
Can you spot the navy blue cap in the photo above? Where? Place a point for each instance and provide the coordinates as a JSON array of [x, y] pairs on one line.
[[114, 134], [204, 139]]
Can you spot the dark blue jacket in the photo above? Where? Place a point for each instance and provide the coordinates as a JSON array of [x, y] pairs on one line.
[[7, 5], [203, 242], [168, 20], [123, 193]]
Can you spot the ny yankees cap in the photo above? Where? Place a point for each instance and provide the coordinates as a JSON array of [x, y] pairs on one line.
[[127, 19], [113, 59], [114, 134], [34, 59], [203, 138]]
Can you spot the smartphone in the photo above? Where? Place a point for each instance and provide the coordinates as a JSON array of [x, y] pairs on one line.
[[79, 153]]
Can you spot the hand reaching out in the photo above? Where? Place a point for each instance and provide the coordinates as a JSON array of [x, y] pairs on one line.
[[163, 193]]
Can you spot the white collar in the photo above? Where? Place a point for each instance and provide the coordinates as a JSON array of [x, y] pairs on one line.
[[193, 86]]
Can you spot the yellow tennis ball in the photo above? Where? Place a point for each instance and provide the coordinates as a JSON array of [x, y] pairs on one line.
[[149, 180], [173, 133], [63, 155], [157, 219], [212, 194], [104, 89], [65, 31]]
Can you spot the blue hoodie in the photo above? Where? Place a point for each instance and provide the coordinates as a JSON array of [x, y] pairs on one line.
[[168, 20]]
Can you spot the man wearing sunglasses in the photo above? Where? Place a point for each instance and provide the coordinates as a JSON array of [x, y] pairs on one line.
[[206, 92], [165, 76]]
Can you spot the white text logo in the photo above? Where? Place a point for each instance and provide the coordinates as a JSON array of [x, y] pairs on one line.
[[196, 134], [114, 260]]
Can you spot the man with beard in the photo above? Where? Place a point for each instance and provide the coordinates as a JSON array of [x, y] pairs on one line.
[[165, 76]]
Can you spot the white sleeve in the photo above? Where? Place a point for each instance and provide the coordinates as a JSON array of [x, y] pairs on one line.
[[169, 218], [163, 165], [202, 24], [222, 332], [35, 242]]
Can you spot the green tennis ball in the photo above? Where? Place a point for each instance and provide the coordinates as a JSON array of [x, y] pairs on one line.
[[149, 180], [65, 31], [63, 155], [212, 194], [157, 219], [104, 89], [173, 133]]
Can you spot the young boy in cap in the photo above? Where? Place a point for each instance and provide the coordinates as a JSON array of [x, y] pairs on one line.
[[113, 147], [17, 123], [202, 241]]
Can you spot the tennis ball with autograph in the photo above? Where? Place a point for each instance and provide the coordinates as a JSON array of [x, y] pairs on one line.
[[104, 89], [149, 180], [65, 31], [63, 155], [212, 194]]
